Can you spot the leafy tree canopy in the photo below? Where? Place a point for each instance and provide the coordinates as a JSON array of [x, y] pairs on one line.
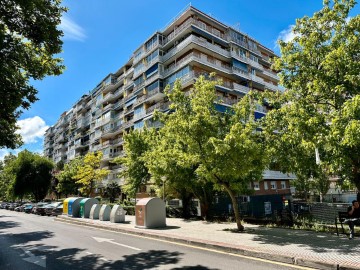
[[29, 39], [90, 173], [31, 175], [320, 69], [224, 148]]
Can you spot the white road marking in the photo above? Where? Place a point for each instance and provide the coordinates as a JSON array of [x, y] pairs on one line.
[[100, 240]]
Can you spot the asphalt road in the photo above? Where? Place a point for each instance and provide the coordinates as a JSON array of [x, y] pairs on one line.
[[34, 242]]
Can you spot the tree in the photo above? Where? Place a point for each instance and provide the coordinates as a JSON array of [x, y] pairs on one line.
[[320, 69], [224, 148], [90, 173], [32, 175], [136, 173], [29, 39], [6, 177], [345, 132], [112, 190], [66, 178]]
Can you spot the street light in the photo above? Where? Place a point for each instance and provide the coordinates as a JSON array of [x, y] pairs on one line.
[[163, 179]]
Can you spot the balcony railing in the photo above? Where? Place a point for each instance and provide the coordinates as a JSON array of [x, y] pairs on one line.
[[240, 72], [271, 74]]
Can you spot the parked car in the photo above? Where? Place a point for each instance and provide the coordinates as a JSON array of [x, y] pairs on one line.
[[21, 208], [36, 206], [12, 206], [40, 209], [50, 207], [57, 211], [3, 205], [28, 208]]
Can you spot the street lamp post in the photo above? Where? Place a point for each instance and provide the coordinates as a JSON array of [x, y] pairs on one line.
[[163, 179]]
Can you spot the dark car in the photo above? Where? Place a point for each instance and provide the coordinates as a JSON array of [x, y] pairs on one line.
[[3, 205], [28, 208], [21, 208], [50, 207], [13, 206], [39, 208], [57, 211]]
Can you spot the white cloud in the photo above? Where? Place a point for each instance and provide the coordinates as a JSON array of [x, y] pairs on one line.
[[287, 34], [32, 129], [4, 152], [71, 29]]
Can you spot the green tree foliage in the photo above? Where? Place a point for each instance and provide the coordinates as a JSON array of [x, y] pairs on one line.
[[112, 191], [345, 133], [6, 178], [31, 175], [29, 39], [89, 174], [320, 69], [66, 178], [135, 172], [224, 148]]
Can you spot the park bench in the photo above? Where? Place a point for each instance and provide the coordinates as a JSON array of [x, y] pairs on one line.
[[340, 219], [342, 216]]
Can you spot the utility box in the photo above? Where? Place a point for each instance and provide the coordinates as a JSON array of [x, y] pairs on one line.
[[85, 206], [150, 213], [74, 207], [117, 214], [104, 214], [66, 205], [94, 211]]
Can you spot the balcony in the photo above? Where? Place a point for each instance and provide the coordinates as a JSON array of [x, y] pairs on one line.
[[226, 100], [271, 74], [241, 88], [160, 106], [108, 107], [240, 72], [128, 124], [255, 64], [271, 86], [198, 24], [239, 42], [199, 41], [118, 104]]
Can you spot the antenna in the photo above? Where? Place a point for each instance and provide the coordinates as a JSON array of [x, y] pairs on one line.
[[237, 26]]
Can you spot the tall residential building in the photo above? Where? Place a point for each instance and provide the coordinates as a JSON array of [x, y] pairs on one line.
[[194, 43]]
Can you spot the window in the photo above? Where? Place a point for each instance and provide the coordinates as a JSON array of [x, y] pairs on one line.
[[256, 186], [138, 68], [273, 184], [266, 186], [138, 55], [254, 58], [283, 185], [170, 80]]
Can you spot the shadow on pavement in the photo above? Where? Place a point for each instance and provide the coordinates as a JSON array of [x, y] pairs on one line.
[[166, 228], [74, 258], [318, 242], [8, 224]]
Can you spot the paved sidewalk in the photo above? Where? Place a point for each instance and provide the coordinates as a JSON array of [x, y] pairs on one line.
[[312, 249]]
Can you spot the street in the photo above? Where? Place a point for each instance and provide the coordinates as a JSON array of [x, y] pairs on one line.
[[37, 242]]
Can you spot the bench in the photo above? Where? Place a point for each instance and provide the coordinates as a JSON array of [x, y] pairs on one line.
[[342, 216], [340, 219]]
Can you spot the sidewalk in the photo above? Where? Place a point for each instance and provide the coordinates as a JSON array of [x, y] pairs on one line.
[[312, 249]]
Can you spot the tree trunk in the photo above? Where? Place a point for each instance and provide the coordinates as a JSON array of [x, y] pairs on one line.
[[235, 207]]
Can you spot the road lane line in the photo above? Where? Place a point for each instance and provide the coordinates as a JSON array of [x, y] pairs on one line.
[[197, 247]]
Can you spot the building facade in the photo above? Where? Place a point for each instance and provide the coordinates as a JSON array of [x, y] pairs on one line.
[[193, 44]]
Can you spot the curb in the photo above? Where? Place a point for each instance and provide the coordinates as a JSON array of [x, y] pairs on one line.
[[223, 247]]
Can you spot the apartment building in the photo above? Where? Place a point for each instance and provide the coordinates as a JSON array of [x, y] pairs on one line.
[[194, 43]]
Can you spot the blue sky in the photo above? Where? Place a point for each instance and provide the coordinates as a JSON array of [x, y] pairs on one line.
[[100, 36]]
